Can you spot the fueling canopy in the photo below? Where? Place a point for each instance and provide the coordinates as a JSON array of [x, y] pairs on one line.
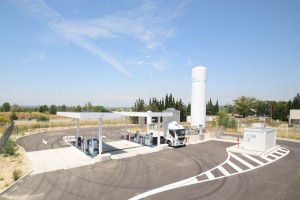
[[90, 115], [114, 115]]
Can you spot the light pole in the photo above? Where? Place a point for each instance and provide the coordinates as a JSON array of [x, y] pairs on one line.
[[271, 110]]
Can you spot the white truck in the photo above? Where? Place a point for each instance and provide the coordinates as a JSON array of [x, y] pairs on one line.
[[173, 135]]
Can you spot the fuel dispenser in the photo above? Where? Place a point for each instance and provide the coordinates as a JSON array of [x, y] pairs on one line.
[[93, 144], [149, 139]]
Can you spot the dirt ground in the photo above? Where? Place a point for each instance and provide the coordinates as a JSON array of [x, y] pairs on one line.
[[11, 163]]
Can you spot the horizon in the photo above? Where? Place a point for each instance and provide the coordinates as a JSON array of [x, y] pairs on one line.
[[112, 53]]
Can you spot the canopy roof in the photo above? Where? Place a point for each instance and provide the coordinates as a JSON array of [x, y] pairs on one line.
[[89, 115], [147, 114]]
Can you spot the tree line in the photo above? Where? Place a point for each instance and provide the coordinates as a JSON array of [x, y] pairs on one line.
[[52, 109], [250, 106], [156, 105], [242, 107]]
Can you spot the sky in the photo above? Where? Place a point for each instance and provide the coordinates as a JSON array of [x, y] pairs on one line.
[[111, 53]]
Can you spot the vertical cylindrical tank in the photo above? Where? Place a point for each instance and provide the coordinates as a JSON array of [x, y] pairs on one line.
[[198, 101]]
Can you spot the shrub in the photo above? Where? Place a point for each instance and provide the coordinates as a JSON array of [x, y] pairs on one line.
[[42, 118], [13, 116], [3, 119], [224, 120], [10, 147], [17, 174]]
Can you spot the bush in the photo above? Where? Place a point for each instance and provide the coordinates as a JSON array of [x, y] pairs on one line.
[[17, 174], [42, 118], [3, 119], [10, 147], [224, 120], [13, 116]]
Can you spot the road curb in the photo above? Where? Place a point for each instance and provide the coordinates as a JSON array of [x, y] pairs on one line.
[[20, 179], [14, 183], [289, 140]]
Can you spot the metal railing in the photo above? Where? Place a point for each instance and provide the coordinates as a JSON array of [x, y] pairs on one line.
[[5, 136]]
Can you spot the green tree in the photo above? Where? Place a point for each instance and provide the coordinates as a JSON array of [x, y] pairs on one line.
[[280, 111], [296, 102], [188, 109], [53, 109], [6, 107], [182, 108], [64, 108], [244, 105], [100, 109], [43, 108], [166, 101], [224, 120], [88, 107], [15, 108], [216, 108], [261, 108], [78, 108], [209, 107], [13, 116], [229, 108], [139, 106]]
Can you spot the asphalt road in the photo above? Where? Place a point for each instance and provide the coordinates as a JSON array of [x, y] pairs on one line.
[[55, 138], [123, 179]]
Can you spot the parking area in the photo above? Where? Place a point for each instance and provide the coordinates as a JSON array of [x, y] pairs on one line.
[[129, 177]]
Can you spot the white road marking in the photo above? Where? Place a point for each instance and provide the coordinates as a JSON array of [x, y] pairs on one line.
[[224, 171], [242, 161], [279, 153], [234, 166], [253, 159], [193, 180], [210, 175], [274, 156], [267, 159]]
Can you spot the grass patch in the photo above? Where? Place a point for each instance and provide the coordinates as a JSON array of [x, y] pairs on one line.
[[1, 178], [17, 174]]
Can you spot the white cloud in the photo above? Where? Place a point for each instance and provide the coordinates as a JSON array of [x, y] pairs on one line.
[[40, 56], [39, 9], [149, 24]]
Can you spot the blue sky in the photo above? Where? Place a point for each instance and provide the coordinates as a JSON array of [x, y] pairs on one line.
[[112, 52]]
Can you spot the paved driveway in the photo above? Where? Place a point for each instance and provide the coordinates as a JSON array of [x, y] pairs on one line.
[[126, 178]]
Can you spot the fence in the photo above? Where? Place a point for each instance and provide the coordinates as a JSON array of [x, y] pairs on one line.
[[6, 135], [288, 132]]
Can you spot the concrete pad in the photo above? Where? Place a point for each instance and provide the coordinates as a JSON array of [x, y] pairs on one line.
[[241, 150], [56, 159], [124, 149], [103, 157], [162, 147]]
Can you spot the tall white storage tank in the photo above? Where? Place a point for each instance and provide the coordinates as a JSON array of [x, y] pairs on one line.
[[198, 102]]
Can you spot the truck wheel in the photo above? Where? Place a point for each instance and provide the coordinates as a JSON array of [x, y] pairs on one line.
[[169, 143]]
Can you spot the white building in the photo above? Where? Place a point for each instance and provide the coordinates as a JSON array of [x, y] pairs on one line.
[[294, 117]]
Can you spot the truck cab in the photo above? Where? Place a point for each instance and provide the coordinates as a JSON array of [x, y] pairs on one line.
[[175, 135]]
